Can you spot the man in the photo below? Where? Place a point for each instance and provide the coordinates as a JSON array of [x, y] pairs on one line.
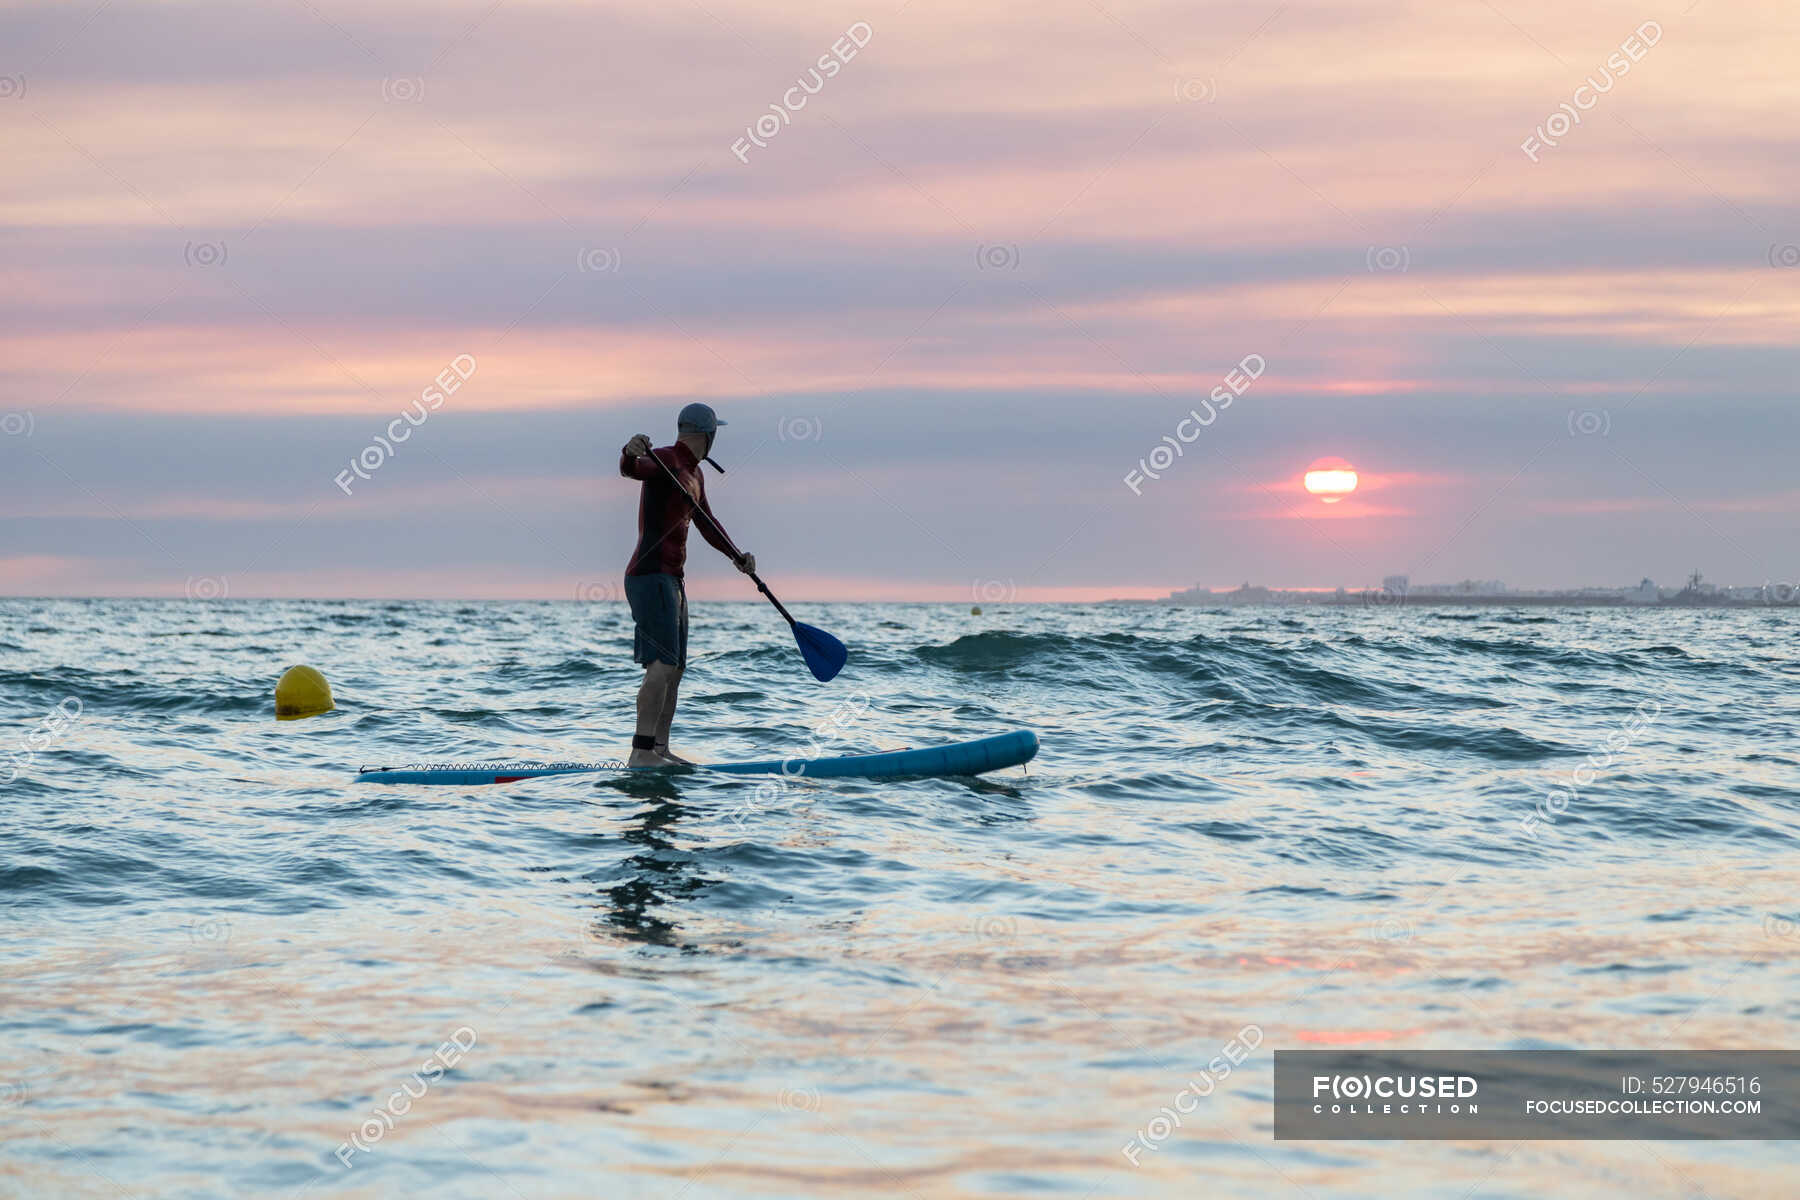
[[653, 580]]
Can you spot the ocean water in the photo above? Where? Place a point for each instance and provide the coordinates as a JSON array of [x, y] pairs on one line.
[[230, 970]]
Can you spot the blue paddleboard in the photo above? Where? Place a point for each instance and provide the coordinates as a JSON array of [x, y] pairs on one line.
[[958, 758]]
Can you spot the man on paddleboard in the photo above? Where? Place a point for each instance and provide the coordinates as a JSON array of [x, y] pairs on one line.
[[653, 579]]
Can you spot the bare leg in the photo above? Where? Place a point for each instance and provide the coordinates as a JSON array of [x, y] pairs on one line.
[[668, 716], [655, 710]]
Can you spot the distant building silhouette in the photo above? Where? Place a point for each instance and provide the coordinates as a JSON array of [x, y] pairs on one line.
[[1400, 589]]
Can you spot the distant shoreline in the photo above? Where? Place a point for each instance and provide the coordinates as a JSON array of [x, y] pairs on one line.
[[1378, 599]]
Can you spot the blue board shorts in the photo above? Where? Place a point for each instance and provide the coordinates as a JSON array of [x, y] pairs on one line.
[[659, 606]]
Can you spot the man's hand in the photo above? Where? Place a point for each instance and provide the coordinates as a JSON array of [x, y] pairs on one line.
[[747, 564], [638, 446]]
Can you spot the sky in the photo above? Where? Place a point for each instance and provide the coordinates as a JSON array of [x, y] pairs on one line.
[[1532, 268]]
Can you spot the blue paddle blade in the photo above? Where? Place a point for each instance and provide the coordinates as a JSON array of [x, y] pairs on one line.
[[823, 653]]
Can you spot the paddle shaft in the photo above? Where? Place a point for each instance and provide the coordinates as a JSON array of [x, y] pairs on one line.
[[720, 530]]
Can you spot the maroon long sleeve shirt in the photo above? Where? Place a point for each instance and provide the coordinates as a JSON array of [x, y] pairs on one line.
[[665, 511]]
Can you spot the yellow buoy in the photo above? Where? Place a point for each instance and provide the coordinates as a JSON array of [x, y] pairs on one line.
[[975, 611], [302, 692]]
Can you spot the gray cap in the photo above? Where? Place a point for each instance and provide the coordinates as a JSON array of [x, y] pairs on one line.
[[698, 418]]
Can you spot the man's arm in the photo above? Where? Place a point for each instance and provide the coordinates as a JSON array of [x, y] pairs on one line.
[[636, 461], [718, 539]]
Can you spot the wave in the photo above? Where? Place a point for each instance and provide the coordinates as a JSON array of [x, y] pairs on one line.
[[1352, 671]]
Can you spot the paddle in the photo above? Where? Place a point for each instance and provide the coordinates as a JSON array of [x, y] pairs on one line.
[[823, 653]]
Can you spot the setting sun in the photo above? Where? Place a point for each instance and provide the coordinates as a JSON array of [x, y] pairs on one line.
[[1331, 479]]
